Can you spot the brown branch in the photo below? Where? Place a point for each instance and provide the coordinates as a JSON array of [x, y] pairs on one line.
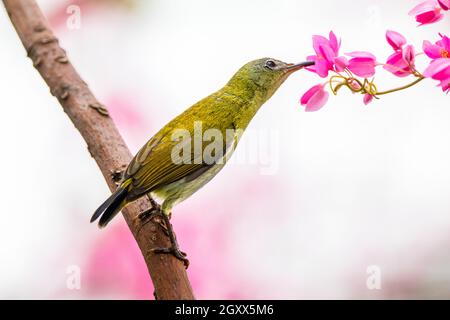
[[104, 142]]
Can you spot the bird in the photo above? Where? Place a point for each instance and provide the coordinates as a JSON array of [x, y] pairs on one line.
[[170, 167]]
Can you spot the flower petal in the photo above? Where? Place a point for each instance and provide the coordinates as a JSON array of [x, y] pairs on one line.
[[367, 99], [313, 67], [429, 18], [322, 67], [319, 41], [328, 54], [409, 54], [397, 65], [317, 101], [444, 42], [334, 43], [431, 50], [309, 94], [361, 54], [362, 64], [445, 85], [423, 7], [362, 68], [438, 69], [315, 98], [395, 39], [341, 63]]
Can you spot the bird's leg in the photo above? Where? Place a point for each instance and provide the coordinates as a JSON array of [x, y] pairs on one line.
[[146, 216], [174, 248]]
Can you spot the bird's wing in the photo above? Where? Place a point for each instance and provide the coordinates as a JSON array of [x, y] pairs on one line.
[[154, 166]]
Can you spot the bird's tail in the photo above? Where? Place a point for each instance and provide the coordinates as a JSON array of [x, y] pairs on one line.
[[108, 210]]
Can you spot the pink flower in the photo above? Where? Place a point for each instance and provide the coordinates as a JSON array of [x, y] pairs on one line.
[[441, 49], [401, 63], [327, 51], [341, 63], [428, 12], [409, 54], [445, 4], [395, 39], [397, 65], [315, 98], [367, 98], [439, 69], [362, 64]]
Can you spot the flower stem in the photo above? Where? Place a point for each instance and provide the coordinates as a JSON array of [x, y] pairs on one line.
[[420, 78]]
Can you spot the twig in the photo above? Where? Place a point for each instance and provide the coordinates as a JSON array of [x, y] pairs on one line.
[[104, 142]]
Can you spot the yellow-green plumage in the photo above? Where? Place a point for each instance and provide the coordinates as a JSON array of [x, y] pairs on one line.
[[153, 171]]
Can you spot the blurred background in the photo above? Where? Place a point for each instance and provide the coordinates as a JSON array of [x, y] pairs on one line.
[[349, 189]]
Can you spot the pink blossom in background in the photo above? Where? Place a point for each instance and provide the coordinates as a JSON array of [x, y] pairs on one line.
[[428, 12], [127, 110], [115, 266], [362, 63], [315, 98], [58, 16]]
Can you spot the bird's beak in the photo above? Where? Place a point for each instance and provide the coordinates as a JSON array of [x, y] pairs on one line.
[[294, 67]]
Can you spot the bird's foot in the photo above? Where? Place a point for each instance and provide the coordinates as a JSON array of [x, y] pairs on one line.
[[176, 252], [157, 214], [154, 213], [146, 215]]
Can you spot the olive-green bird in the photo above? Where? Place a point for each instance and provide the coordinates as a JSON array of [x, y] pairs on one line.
[[155, 172]]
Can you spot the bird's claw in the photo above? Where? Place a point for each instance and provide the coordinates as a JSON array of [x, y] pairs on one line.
[[176, 252], [147, 215]]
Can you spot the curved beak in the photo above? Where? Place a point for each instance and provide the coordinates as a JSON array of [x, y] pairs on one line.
[[294, 67]]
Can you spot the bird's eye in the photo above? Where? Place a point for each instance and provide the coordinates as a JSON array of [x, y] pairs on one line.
[[270, 64]]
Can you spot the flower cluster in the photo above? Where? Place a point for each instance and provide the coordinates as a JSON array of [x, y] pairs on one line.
[[327, 58], [355, 71]]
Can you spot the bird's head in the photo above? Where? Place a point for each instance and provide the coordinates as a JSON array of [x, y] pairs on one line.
[[265, 75]]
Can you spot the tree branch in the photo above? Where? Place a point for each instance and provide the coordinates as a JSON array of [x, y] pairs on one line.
[[104, 142]]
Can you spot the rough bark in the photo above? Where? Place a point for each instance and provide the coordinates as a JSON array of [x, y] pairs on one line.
[[104, 142]]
